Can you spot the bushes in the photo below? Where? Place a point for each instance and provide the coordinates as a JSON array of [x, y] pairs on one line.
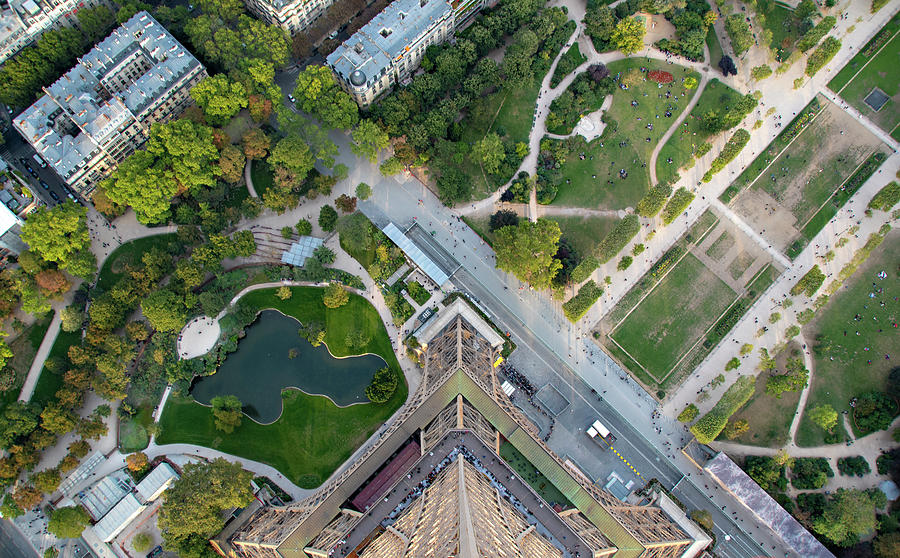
[[814, 35], [733, 364], [874, 411], [383, 385], [810, 472], [617, 238], [583, 270], [739, 31], [707, 428], [689, 413], [809, 283], [885, 199], [729, 152], [822, 55], [578, 305], [653, 200], [856, 465], [676, 205], [760, 72], [878, 4]]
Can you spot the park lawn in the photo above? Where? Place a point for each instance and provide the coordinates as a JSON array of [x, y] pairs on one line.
[[855, 370], [482, 227], [681, 146], [313, 436], [715, 47], [261, 174], [133, 434], [130, 252], [769, 418], [785, 29], [307, 443], [532, 476], [584, 233], [881, 72], [24, 347], [673, 316], [583, 190], [864, 54], [50, 382]]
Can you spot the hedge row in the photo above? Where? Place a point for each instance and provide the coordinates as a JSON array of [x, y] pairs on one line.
[[653, 200], [617, 238], [711, 425], [578, 305], [814, 35], [676, 205], [583, 270], [729, 152], [822, 55], [809, 283], [886, 198], [761, 72]]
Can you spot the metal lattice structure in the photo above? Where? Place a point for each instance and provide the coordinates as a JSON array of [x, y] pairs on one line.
[[459, 391]]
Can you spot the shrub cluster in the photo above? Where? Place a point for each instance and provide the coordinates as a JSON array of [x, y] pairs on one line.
[[814, 35], [760, 72], [822, 55], [729, 152], [689, 413], [383, 385], [809, 283], [578, 305], [856, 465], [583, 270], [886, 198], [739, 31], [622, 233], [810, 472], [653, 200], [874, 411], [676, 205], [707, 428]]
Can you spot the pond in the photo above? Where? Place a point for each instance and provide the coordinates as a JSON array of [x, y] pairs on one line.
[[262, 366]]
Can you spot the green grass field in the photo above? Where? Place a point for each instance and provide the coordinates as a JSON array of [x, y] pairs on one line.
[[865, 54], [769, 418], [715, 47], [24, 348], [673, 316], [604, 163], [784, 27], [854, 369], [569, 61], [130, 252], [261, 175], [878, 71], [50, 382], [681, 146], [585, 232], [313, 436]]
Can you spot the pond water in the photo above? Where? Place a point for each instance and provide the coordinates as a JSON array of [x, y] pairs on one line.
[[261, 367]]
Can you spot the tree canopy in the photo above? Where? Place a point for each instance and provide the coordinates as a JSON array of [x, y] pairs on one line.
[[628, 36], [848, 515], [165, 310], [68, 523], [527, 251], [318, 94], [192, 506], [219, 98], [227, 410], [60, 235], [368, 139]]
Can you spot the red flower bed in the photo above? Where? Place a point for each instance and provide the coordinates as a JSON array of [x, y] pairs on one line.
[[660, 76]]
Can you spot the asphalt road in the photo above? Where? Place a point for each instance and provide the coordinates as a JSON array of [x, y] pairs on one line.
[[12, 543], [14, 148]]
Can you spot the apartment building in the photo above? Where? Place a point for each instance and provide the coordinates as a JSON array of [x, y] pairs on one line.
[[389, 49], [100, 112], [22, 22], [291, 15]]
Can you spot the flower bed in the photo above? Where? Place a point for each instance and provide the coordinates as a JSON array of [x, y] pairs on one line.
[[660, 76]]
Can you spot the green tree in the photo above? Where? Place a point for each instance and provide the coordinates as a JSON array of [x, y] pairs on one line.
[[141, 542], [368, 139], [187, 148], [231, 164], [219, 98], [47, 481], [527, 251], [363, 191], [689, 413], [304, 227], [318, 94], [335, 296], [848, 515], [71, 319], [383, 385], [887, 545], [9, 509], [68, 523], [60, 235], [739, 31], [824, 416], [489, 151], [57, 419], [227, 410], [165, 310], [145, 184], [628, 36], [327, 218], [293, 153], [255, 143], [390, 166], [95, 23], [192, 510]]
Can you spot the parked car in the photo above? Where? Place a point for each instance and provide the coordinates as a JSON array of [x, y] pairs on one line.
[[31, 171], [44, 184], [291, 98], [54, 195]]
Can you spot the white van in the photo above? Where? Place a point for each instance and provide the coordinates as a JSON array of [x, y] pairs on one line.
[[39, 161]]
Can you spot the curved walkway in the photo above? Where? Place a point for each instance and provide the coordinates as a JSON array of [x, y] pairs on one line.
[[249, 179], [704, 79], [809, 363]]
